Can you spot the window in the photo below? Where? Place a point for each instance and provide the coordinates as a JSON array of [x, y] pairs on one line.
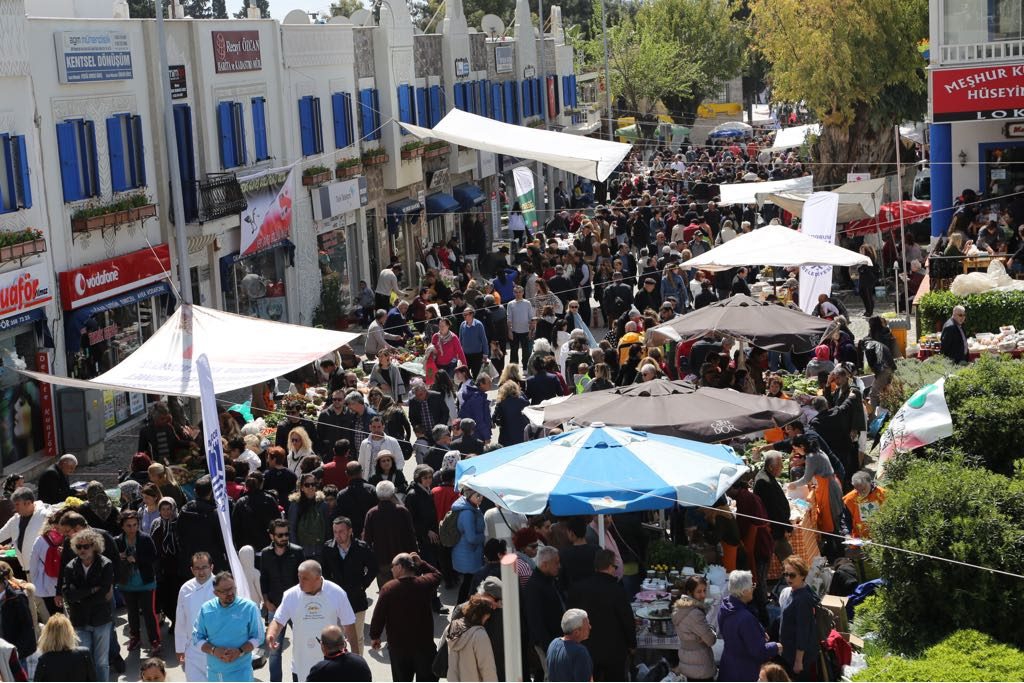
[[406, 108], [259, 127], [483, 87], [311, 128], [341, 104], [127, 159], [79, 170], [15, 188], [186, 160], [231, 127], [460, 96], [369, 114], [497, 106]]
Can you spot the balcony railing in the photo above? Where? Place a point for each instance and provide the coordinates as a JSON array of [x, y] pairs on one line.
[[968, 53]]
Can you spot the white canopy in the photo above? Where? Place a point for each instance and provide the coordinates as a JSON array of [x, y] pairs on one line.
[[786, 138], [242, 351], [775, 245], [746, 193], [860, 199], [587, 157]]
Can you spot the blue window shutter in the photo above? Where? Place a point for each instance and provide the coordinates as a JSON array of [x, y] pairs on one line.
[[306, 125], [226, 124], [575, 93], [460, 97], [67, 150], [115, 143], [259, 127], [483, 90], [404, 105], [558, 100], [18, 143], [497, 110], [365, 120], [538, 98], [338, 115], [506, 96], [92, 168], [186, 160], [376, 114], [139, 152], [8, 195], [435, 105], [422, 112], [349, 127], [527, 89], [318, 127], [241, 152]]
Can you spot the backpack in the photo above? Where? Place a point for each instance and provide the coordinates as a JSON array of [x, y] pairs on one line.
[[52, 563], [449, 529]]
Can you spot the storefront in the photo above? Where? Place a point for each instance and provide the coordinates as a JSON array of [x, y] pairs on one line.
[[442, 211], [112, 307], [472, 217], [340, 245], [404, 239], [254, 285]]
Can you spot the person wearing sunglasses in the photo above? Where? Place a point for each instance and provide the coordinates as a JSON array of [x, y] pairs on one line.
[[798, 629], [87, 588], [279, 565]]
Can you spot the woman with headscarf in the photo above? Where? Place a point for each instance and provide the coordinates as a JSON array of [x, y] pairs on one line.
[[247, 558], [170, 567], [99, 511], [131, 497]]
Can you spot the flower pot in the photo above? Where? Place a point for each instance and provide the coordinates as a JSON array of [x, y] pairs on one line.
[[38, 246], [18, 250], [349, 171], [410, 154], [6, 254], [316, 178]]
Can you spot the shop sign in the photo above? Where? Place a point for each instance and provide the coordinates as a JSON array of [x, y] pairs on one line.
[[486, 165], [339, 197], [529, 72], [504, 59], [235, 51], [46, 405], [461, 67], [179, 88], [89, 56], [1014, 130], [982, 93], [439, 179], [109, 278], [109, 416], [23, 290]]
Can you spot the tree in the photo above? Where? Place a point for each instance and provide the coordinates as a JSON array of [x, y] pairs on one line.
[[264, 6], [220, 9], [141, 9], [855, 64], [197, 9], [345, 8]]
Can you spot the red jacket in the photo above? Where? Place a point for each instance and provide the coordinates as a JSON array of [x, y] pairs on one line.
[[444, 498]]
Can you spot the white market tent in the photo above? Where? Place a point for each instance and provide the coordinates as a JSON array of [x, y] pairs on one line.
[[787, 138], [746, 193], [857, 200], [242, 351], [775, 245], [587, 157]]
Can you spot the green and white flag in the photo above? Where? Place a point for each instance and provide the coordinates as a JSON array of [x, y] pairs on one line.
[[527, 196], [923, 419]]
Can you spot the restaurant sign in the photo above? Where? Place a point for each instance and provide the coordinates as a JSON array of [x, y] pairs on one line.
[[983, 93]]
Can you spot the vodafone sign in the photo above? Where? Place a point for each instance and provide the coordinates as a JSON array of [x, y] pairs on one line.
[[105, 279], [981, 93]]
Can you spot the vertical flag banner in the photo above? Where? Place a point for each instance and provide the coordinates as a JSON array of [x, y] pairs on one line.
[[820, 212], [268, 218], [923, 419], [215, 462], [527, 196]]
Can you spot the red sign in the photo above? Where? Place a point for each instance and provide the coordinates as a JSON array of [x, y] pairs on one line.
[[552, 107], [235, 51], [105, 279], [46, 403], [980, 93]]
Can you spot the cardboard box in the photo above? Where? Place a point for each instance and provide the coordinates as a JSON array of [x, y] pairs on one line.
[[837, 605]]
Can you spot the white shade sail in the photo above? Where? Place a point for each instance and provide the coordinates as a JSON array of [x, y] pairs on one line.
[[587, 157], [857, 200], [785, 138], [746, 193], [775, 245], [242, 351]]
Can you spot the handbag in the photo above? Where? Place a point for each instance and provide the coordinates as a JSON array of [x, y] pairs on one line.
[[489, 368]]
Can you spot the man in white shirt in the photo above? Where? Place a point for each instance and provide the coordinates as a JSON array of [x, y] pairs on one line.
[[520, 315], [387, 284], [312, 605], [25, 525], [376, 442], [192, 595]]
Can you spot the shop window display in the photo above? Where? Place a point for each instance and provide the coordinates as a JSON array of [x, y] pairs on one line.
[[255, 286], [22, 432]]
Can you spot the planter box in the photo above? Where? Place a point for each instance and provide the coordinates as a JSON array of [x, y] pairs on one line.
[[435, 152], [375, 160], [349, 171], [316, 178], [113, 219], [410, 154], [22, 249]]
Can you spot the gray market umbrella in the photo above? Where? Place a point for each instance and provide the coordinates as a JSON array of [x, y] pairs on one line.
[[766, 326], [680, 409]]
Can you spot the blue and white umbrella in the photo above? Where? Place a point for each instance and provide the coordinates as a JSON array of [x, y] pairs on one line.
[[602, 470]]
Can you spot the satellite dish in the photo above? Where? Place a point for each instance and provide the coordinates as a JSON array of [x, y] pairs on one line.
[[296, 17], [492, 25], [362, 17], [340, 21]]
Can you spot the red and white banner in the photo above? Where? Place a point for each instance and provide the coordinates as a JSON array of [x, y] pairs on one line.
[[268, 218], [46, 405], [23, 290], [980, 93], [104, 279]]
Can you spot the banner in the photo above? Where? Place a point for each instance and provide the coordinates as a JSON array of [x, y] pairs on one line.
[[215, 463], [820, 212], [526, 196], [924, 418], [268, 218]]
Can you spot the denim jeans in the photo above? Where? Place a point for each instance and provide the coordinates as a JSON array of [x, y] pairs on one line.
[[97, 640], [274, 657]]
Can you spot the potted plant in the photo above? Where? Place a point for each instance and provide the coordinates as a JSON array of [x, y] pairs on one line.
[[435, 149], [330, 312], [349, 168], [375, 156], [412, 150], [126, 208], [20, 243], [315, 175]]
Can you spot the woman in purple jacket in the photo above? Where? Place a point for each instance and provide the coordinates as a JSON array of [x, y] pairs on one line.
[[746, 643]]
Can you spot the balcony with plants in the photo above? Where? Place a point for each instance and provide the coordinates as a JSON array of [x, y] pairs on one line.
[[17, 244], [127, 208]]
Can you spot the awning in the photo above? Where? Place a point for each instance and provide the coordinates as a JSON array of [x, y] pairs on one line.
[[400, 209], [78, 320], [795, 136], [859, 199], [746, 193], [441, 203], [587, 157], [469, 195], [32, 316]]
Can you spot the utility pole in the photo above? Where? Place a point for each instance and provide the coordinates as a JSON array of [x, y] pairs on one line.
[[607, 72], [544, 175]]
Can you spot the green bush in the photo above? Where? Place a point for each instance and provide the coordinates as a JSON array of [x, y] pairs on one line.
[[867, 617], [986, 400], [912, 374], [960, 513], [986, 312], [966, 655]]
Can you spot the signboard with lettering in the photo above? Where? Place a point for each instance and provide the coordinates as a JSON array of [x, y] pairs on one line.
[[23, 290], [980, 93], [46, 406], [1014, 130], [236, 51], [179, 89], [105, 279], [88, 56], [504, 59], [339, 198], [461, 67]]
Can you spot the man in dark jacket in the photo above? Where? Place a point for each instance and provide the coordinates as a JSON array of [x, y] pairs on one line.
[[330, 426], [604, 600], [278, 479], [54, 485], [420, 503], [279, 571], [199, 528], [616, 301], [768, 489], [953, 341], [253, 513], [388, 530], [403, 608], [349, 562], [739, 283], [293, 411], [648, 296], [542, 385], [543, 602], [426, 408], [87, 585], [356, 499]]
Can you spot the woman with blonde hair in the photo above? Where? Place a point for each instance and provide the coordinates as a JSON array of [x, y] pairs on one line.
[[61, 657], [299, 446], [163, 478], [508, 413], [513, 372]]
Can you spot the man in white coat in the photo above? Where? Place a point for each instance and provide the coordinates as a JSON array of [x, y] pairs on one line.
[[191, 597], [26, 525], [310, 606]]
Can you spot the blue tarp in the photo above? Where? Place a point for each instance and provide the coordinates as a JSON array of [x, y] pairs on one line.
[[469, 195]]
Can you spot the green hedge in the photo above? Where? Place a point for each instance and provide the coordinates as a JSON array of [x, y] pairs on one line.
[[985, 312], [965, 656], [986, 400], [955, 512]]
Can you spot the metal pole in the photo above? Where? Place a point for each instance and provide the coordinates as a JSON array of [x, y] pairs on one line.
[[903, 234], [177, 204], [546, 193], [607, 72], [510, 618]]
